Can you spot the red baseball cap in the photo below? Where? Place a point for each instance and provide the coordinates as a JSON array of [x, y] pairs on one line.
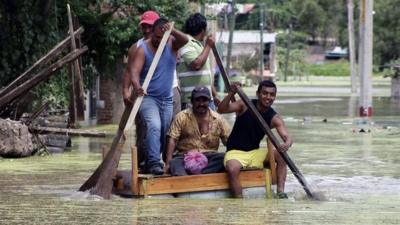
[[149, 17]]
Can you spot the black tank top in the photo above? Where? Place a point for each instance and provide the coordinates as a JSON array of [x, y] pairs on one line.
[[247, 133]]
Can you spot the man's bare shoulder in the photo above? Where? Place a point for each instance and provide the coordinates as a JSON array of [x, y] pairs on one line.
[[277, 121], [133, 48]]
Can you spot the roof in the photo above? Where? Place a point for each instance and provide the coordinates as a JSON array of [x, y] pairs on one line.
[[220, 7], [245, 36]]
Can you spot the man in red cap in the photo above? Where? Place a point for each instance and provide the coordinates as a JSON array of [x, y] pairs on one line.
[[146, 24], [157, 106]]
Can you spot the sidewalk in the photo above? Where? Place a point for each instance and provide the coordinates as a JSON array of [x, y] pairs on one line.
[[325, 86]]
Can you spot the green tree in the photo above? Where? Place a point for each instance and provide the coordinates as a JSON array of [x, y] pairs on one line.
[[310, 17], [386, 31], [28, 29]]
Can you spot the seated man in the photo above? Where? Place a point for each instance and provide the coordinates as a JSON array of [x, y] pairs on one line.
[[243, 146], [196, 129]]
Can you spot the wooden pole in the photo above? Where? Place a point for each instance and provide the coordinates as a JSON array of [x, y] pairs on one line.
[[104, 151], [40, 77], [69, 132], [72, 105], [37, 113], [53, 53], [135, 171], [223, 72], [77, 77]]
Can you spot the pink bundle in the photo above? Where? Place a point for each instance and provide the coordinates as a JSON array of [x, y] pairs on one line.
[[195, 162]]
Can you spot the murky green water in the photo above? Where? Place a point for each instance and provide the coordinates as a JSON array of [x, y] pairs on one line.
[[359, 173]]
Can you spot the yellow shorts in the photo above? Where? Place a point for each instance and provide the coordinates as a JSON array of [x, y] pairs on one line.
[[251, 159]]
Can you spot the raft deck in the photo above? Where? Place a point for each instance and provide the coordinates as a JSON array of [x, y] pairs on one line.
[[132, 184]]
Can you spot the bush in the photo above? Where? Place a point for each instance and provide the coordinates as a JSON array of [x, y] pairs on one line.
[[392, 69], [296, 63]]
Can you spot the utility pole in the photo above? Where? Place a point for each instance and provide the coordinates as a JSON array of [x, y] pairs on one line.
[[287, 55], [352, 51], [231, 4], [261, 40], [365, 57]]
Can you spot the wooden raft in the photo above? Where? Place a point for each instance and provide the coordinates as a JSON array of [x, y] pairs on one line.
[[133, 184]]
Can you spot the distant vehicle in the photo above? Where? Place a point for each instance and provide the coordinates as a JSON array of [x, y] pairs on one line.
[[336, 53]]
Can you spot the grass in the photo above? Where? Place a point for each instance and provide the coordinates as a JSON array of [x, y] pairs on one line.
[[331, 68], [335, 68]]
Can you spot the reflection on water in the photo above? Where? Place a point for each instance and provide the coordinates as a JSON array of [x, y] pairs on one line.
[[354, 162]]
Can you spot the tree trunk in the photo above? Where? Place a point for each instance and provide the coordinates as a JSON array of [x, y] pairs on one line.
[[395, 90], [352, 51]]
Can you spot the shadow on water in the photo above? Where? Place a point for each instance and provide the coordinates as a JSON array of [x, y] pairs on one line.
[[354, 162]]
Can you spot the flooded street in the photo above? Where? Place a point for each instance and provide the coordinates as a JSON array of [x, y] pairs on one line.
[[353, 162]]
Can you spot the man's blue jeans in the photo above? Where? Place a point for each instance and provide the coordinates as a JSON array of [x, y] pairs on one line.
[[157, 116]]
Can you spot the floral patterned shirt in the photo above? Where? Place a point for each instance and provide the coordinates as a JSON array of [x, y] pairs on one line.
[[185, 130]]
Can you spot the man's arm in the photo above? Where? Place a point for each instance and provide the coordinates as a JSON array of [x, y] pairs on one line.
[[215, 95], [226, 106], [127, 81], [279, 125], [170, 150], [136, 69], [173, 135], [179, 40], [199, 62], [225, 131]]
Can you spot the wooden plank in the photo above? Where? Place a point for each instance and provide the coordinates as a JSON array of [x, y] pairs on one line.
[[70, 132], [194, 183]]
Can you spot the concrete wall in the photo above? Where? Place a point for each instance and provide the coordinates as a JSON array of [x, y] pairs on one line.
[[111, 94]]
